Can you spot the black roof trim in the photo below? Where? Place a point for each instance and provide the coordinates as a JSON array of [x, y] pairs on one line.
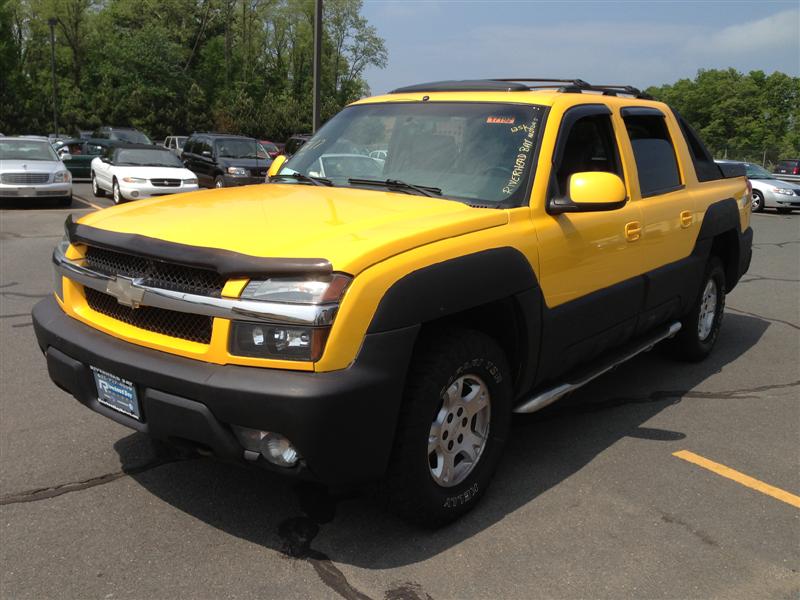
[[224, 262], [522, 84]]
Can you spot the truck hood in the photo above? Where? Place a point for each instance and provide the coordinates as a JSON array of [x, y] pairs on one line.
[[351, 228]]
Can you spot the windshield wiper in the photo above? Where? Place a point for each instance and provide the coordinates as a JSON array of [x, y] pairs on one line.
[[424, 190], [304, 178]]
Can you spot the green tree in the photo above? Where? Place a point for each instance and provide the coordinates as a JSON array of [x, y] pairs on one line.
[[753, 116]]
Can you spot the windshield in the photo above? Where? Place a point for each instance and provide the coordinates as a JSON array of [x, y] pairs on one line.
[[756, 172], [148, 158], [26, 150], [131, 136], [238, 148], [470, 151]]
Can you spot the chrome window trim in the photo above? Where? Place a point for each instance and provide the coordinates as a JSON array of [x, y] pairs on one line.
[[226, 308]]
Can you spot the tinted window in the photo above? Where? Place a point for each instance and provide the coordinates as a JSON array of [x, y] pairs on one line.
[[239, 148], [590, 146], [131, 136], [654, 154], [704, 166], [143, 157], [26, 150]]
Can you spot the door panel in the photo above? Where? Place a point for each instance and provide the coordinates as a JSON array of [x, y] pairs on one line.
[[590, 263]]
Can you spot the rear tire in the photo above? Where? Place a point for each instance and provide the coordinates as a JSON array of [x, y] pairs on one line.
[[219, 181], [96, 189], [757, 202], [700, 328], [454, 422]]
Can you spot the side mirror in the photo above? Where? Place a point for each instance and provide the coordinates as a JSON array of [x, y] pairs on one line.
[[105, 159], [64, 156], [276, 165], [591, 191]]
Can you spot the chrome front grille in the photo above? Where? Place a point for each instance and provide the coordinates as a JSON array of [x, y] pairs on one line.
[[24, 178], [166, 182]]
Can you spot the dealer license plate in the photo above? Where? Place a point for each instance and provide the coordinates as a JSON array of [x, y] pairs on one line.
[[117, 393]]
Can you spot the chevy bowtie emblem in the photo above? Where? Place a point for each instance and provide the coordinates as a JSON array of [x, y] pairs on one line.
[[125, 292]]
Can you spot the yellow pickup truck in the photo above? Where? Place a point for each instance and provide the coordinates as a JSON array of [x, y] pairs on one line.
[[430, 262]]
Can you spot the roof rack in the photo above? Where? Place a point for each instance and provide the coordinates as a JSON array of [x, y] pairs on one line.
[[520, 84]]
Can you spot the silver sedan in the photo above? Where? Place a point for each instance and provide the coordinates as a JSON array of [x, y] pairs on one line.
[[30, 168], [769, 192]]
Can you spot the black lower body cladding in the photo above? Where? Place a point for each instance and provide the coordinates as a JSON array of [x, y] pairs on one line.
[[341, 422]]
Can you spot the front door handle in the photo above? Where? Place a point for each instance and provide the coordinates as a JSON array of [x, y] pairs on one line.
[[686, 218], [633, 231]]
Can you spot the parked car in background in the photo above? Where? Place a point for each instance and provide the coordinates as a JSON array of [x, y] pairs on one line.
[[84, 134], [271, 147], [768, 190], [789, 166], [30, 168], [224, 160], [77, 155], [788, 169], [121, 134], [174, 143], [294, 143], [136, 171]]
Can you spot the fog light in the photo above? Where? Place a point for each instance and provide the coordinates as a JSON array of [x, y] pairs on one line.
[[273, 446], [278, 450], [135, 194]]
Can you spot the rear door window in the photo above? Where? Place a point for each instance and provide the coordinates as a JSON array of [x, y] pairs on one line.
[[653, 151]]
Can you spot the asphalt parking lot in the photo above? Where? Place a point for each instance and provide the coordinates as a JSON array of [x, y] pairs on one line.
[[591, 500]]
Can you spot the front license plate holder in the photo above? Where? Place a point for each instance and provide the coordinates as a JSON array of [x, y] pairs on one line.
[[117, 393]]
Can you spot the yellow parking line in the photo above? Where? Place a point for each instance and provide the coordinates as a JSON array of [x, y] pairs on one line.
[[745, 480], [92, 204]]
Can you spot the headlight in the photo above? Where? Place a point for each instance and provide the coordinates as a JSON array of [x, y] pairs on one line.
[[262, 340], [190, 181], [134, 180], [784, 191], [298, 290], [237, 172], [61, 177], [287, 342]]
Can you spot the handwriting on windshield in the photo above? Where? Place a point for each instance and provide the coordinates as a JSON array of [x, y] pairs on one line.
[[524, 152]]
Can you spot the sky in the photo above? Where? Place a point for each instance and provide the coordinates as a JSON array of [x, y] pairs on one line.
[[632, 42]]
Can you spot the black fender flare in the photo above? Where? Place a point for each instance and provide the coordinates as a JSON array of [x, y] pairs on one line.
[[453, 286], [721, 222], [500, 275]]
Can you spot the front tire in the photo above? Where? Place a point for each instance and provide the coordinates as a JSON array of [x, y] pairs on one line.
[[454, 422], [757, 202], [96, 189], [219, 182], [116, 194], [700, 328]]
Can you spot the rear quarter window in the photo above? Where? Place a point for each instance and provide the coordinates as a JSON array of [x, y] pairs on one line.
[[704, 166]]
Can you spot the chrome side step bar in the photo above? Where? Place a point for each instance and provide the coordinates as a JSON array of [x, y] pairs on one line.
[[548, 396]]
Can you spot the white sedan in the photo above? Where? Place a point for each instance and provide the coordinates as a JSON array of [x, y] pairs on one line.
[[135, 171]]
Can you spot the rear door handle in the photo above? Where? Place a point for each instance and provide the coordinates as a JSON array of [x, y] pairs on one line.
[[686, 218], [633, 231]]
